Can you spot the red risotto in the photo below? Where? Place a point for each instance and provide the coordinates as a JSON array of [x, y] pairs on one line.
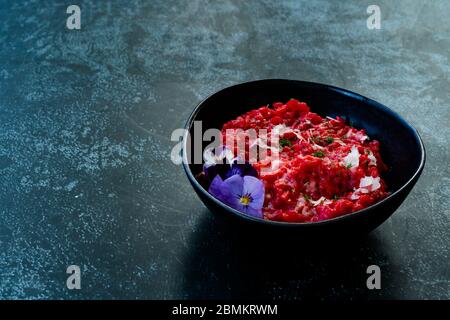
[[325, 168]]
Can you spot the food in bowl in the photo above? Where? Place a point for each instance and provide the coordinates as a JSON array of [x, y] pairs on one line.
[[313, 168]]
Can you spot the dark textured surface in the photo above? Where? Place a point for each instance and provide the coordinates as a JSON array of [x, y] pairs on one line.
[[86, 118]]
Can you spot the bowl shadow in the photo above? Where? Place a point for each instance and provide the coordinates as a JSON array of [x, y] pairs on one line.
[[227, 262]]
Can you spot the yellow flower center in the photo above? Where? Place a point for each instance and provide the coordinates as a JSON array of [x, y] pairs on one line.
[[245, 200]]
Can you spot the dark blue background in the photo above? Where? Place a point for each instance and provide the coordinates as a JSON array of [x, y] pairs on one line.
[[85, 124]]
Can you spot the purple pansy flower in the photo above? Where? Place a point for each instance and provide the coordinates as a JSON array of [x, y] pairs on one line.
[[226, 170], [232, 181], [242, 169], [245, 194]]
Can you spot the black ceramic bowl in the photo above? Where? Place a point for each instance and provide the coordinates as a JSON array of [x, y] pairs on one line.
[[401, 147]]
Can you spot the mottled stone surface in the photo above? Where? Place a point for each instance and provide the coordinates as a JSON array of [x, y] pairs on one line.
[[85, 124]]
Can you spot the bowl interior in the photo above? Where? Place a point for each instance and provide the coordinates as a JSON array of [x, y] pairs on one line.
[[401, 147]]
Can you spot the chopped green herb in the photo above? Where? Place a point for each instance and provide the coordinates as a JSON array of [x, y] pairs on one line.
[[318, 154], [329, 140], [285, 143], [349, 166], [307, 198]]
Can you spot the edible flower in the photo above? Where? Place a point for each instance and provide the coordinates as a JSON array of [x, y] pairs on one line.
[[232, 181], [242, 169], [243, 193], [228, 169]]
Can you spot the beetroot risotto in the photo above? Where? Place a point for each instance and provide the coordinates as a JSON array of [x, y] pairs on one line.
[[316, 169]]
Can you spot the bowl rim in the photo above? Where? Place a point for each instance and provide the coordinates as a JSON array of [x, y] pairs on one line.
[[351, 215]]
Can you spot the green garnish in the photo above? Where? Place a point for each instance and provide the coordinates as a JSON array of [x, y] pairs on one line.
[[285, 143], [318, 154], [307, 198], [329, 140], [349, 166]]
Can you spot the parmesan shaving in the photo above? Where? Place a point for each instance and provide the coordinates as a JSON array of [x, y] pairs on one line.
[[352, 159], [373, 160], [320, 201]]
